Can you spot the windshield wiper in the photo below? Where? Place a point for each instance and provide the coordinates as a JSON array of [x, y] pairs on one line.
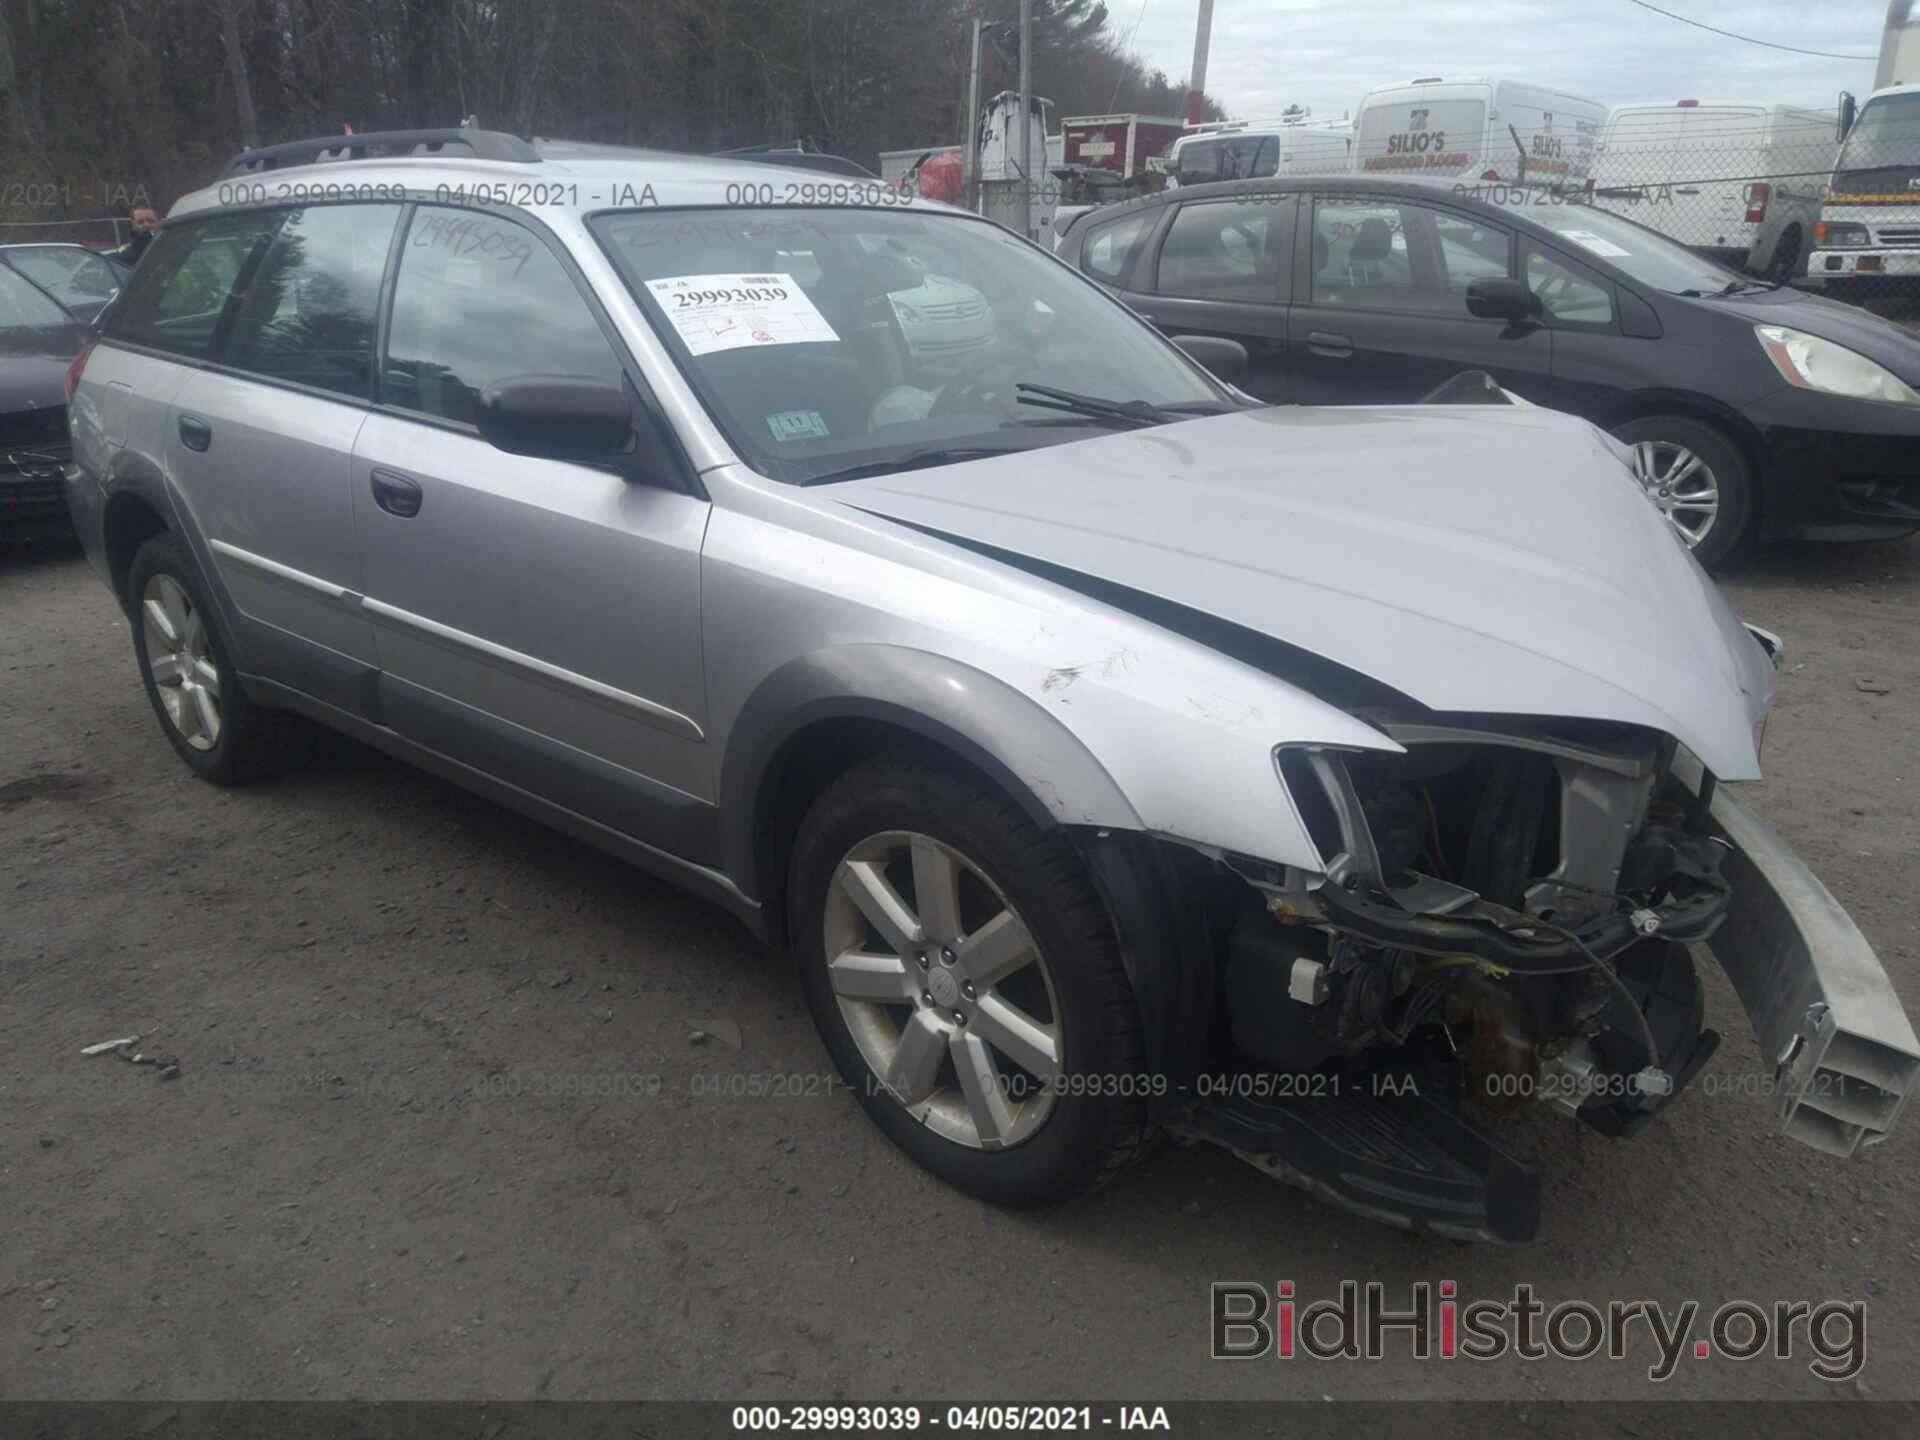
[[1732, 287], [915, 460], [1120, 412]]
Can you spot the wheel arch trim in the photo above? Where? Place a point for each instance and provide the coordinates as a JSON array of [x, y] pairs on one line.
[[979, 718]]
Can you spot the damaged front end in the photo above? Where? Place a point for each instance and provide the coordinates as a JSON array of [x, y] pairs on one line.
[[1505, 919]]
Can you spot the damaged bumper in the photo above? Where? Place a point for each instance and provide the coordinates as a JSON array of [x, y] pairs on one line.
[[1844, 1054]]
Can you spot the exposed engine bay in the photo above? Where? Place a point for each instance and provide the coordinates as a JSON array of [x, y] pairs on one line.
[[1531, 902], [1504, 920]]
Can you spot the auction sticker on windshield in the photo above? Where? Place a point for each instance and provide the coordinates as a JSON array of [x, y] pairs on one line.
[[726, 312], [1599, 245]]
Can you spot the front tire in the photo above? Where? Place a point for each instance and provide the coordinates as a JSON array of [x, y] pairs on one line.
[[1699, 480], [967, 981], [190, 682]]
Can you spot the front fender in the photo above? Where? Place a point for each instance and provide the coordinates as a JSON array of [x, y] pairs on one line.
[[1092, 715]]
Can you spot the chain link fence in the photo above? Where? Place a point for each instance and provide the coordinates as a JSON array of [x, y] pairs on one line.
[[1770, 190]]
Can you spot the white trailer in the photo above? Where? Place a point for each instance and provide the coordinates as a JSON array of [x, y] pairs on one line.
[[1740, 180]]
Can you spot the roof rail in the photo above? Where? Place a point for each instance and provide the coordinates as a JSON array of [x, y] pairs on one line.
[[801, 159], [386, 144]]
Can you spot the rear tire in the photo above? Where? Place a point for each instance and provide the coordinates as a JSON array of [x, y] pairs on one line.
[[899, 1030], [190, 681], [1680, 459], [1787, 251]]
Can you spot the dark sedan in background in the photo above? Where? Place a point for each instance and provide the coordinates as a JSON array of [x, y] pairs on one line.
[[1753, 411], [82, 280], [38, 340]]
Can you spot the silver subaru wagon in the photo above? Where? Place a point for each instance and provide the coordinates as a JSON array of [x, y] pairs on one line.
[[1114, 756]]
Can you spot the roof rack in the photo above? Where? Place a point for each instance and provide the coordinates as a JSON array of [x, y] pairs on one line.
[[387, 144], [801, 159]]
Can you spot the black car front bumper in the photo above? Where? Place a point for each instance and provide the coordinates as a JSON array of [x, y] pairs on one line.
[[1838, 469], [33, 496]]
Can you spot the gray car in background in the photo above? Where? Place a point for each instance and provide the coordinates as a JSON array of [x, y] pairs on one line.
[[82, 280], [1112, 755]]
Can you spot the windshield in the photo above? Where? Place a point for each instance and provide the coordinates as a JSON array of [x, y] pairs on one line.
[[23, 307], [1650, 258], [825, 340], [1887, 133], [1235, 157]]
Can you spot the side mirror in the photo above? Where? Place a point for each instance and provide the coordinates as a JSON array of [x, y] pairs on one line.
[[1224, 359], [1501, 299], [556, 417], [1849, 112]]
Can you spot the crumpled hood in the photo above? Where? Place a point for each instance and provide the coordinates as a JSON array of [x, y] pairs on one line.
[[1478, 559]]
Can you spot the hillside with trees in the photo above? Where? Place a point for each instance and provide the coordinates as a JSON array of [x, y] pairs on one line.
[[100, 97]]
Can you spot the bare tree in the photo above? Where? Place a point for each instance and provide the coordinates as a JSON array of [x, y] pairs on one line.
[[237, 73]]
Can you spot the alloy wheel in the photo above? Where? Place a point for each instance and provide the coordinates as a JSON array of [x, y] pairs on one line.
[[944, 990], [180, 662], [1681, 484]]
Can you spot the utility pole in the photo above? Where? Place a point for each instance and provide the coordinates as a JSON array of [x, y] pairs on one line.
[[1197, 85], [1026, 116], [970, 149]]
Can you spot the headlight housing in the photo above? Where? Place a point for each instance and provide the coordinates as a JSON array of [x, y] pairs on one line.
[[1811, 363], [1839, 234]]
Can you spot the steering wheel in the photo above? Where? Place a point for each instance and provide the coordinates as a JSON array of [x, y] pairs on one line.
[[959, 392], [1553, 290]]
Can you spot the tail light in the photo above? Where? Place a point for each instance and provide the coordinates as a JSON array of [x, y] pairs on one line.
[[1489, 174], [1758, 194], [75, 368]]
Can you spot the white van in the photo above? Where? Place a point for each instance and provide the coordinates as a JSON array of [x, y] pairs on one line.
[[1248, 149], [1478, 128], [1740, 180]]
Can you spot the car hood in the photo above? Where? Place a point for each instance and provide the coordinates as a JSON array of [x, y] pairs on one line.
[[1878, 339], [1476, 559]]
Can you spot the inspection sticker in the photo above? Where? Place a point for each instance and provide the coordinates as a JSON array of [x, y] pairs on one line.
[[726, 312], [1597, 244], [798, 425]]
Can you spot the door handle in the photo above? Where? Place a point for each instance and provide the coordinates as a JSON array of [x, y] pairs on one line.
[[1339, 347], [395, 493], [195, 433]]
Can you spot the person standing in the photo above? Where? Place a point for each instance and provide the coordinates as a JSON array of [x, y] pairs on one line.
[[146, 225]]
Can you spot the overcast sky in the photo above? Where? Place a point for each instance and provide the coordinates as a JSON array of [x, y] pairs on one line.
[[1267, 54]]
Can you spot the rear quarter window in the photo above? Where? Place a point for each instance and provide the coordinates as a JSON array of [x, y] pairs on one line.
[[191, 274], [1110, 247]]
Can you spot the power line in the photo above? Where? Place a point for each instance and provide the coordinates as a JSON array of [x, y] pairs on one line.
[[1790, 49]]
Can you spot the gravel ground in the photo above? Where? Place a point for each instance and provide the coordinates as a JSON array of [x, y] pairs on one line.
[[329, 1201]]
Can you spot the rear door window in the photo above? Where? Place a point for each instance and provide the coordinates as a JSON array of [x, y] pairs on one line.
[[309, 313], [190, 278], [1362, 255]]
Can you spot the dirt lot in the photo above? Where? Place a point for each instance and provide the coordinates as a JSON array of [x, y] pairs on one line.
[[329, 1200]]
